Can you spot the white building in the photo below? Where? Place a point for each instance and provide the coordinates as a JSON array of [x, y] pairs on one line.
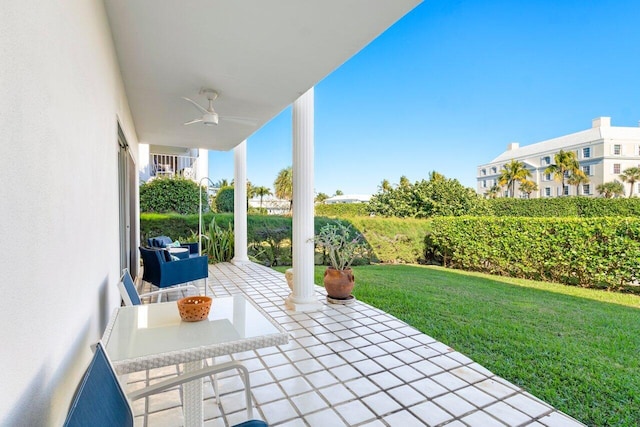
[[604, 151], [272, 204], [83, 84], [157, 161], [348, 198]]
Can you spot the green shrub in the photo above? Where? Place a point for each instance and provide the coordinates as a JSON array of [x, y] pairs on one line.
[[393, 240], [342, 210], [439, 196], [588, 252], [256, 211], [218, 242], [179, 195], [589, 207], [178, 227], [548, 207], [390, 240], [585, 207], [224, 200], [267, 245]]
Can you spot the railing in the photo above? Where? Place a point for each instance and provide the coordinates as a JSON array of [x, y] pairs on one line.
[[172, 165]]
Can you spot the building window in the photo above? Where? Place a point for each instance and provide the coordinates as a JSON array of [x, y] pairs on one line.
[[547, 191], [494, 170], [566, 190], [616, 168], [484, 183], [586, 189], [587, 170], [617, 149], [546, 160], [547, 177], [483, 172], [586, 152]]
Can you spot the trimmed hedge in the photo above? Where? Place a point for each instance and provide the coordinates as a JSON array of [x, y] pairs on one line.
[[585, 207], [224, 200], [392, 240], [552, 207], [182, 227], [172, 195], [342, 210], [588, 252]]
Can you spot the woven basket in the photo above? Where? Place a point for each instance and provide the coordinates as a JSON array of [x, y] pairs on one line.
[[194, 309]]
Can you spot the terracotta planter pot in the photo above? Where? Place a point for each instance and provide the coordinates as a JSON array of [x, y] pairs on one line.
[[288, 274], [338, 283]]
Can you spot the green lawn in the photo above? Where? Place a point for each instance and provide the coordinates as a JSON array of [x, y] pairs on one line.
[[577, 349]]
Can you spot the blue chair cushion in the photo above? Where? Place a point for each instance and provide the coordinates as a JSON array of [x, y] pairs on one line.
[[127, 280], [166, 255], [99, 401], [252, 423], [162, 241]]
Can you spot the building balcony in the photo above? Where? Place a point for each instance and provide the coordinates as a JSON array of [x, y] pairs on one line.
[[172, 165]]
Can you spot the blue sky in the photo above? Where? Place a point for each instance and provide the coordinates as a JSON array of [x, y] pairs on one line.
[[448, 86]]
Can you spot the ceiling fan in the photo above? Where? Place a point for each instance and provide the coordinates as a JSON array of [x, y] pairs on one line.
[[209, 115]]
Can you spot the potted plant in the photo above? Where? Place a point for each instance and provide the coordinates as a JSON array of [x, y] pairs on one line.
[[342, 245]]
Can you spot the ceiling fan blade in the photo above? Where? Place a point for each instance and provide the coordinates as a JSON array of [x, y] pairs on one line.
[[195, 104], [240, 120], [192, 122]]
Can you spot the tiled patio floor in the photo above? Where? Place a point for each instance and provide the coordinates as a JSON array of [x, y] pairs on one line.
[[346, 366]]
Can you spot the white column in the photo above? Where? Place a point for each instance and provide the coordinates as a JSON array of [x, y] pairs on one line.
[[144, 168], [240, 203], [202, 168], [303, 297]]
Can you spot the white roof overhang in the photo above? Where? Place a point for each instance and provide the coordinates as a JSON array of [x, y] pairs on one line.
[[259, 55]]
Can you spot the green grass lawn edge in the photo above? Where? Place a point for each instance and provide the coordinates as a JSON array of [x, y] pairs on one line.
[[575, 348]]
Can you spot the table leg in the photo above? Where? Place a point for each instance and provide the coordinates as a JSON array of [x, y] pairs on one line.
[[192, 394]]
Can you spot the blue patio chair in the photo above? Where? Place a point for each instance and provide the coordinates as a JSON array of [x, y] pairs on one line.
[[164, 241], [130, 294], [100, 400], [163, 272]]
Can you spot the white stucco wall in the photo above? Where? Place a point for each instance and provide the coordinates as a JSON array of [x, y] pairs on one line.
[[60, 96]]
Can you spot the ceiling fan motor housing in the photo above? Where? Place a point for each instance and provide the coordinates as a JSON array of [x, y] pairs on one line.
[[210, 119]]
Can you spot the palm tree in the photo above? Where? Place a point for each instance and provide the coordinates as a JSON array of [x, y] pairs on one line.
[[528, 187], [566, 162], [610, 189], [436, 176], [261, 192], [284, 186], [385, 186], [512, 172], [404, 182], [577, 178], [222, 183], [339, 193], [251, 190], [630, 175], [493, 192], [321, 197]]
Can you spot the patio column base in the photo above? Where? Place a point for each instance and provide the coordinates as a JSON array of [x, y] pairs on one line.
[[240, 261], [300, 306]]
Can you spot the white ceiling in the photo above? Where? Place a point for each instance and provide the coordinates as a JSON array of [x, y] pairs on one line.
[[259, 54]]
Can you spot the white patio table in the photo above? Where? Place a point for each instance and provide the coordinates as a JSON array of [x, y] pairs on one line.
[[153, 335]]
